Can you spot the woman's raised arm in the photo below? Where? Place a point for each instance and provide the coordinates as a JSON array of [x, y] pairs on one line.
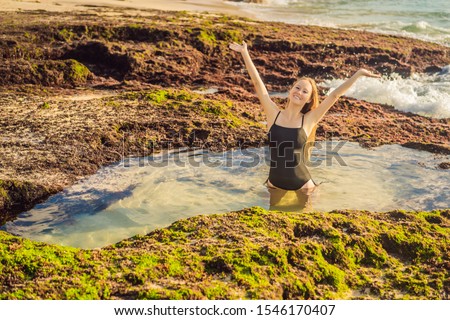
[[317, 114], [270, 108]]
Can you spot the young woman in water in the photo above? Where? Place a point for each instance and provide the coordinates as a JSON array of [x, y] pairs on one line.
[[292, 128]]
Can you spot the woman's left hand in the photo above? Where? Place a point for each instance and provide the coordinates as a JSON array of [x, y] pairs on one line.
[[367, 73]]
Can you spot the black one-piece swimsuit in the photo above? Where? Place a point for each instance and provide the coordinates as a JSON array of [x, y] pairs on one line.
[[287, 156]]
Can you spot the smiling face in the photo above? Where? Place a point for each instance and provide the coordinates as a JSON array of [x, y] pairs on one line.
[[301, 92]]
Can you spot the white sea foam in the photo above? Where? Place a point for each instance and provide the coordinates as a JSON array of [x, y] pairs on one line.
[[422, 94]]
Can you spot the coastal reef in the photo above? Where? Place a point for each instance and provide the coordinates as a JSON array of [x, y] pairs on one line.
[[249, 254], [83, 90]]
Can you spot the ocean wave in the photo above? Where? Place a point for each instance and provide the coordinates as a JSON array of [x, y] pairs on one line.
[[424, 94], [420, 30], [418, 26], [425, 27]]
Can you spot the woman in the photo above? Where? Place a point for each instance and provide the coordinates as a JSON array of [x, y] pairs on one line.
[[289, 128]]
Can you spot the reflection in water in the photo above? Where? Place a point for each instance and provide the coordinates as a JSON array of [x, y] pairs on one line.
[[144, 194], [291, 201]]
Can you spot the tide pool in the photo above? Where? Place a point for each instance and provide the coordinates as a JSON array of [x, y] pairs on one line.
[[138, 195]]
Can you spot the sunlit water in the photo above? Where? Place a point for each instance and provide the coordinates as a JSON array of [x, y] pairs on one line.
[[140, 195]]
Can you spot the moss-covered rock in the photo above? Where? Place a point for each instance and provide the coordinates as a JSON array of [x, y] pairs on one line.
[[64, 73], [250, 254]]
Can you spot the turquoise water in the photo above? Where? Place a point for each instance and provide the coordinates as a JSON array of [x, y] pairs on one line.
[[423, 19], [140, 195]]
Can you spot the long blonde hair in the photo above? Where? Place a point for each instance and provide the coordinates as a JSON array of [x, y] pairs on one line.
[[311, 105]]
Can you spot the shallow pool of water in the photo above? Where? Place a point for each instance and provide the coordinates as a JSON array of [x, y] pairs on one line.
[[141, 194]]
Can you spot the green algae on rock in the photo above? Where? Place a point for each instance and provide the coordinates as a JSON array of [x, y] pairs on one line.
[[249, 254]]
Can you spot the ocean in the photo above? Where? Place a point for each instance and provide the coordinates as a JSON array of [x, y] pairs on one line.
[[428, 20], [423, 19]]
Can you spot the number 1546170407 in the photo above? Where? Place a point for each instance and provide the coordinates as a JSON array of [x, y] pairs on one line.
[[295, 310]]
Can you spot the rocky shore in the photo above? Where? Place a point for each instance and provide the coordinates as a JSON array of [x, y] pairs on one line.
[[250, 254], [81, 90]]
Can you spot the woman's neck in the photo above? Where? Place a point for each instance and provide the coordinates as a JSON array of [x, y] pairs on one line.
[[292, 112]]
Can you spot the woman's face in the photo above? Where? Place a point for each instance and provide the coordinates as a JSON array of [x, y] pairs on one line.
[[301, 92]]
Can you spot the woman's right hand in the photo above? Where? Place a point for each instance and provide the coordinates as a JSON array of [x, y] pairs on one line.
[[367, 73], [242, 48]]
